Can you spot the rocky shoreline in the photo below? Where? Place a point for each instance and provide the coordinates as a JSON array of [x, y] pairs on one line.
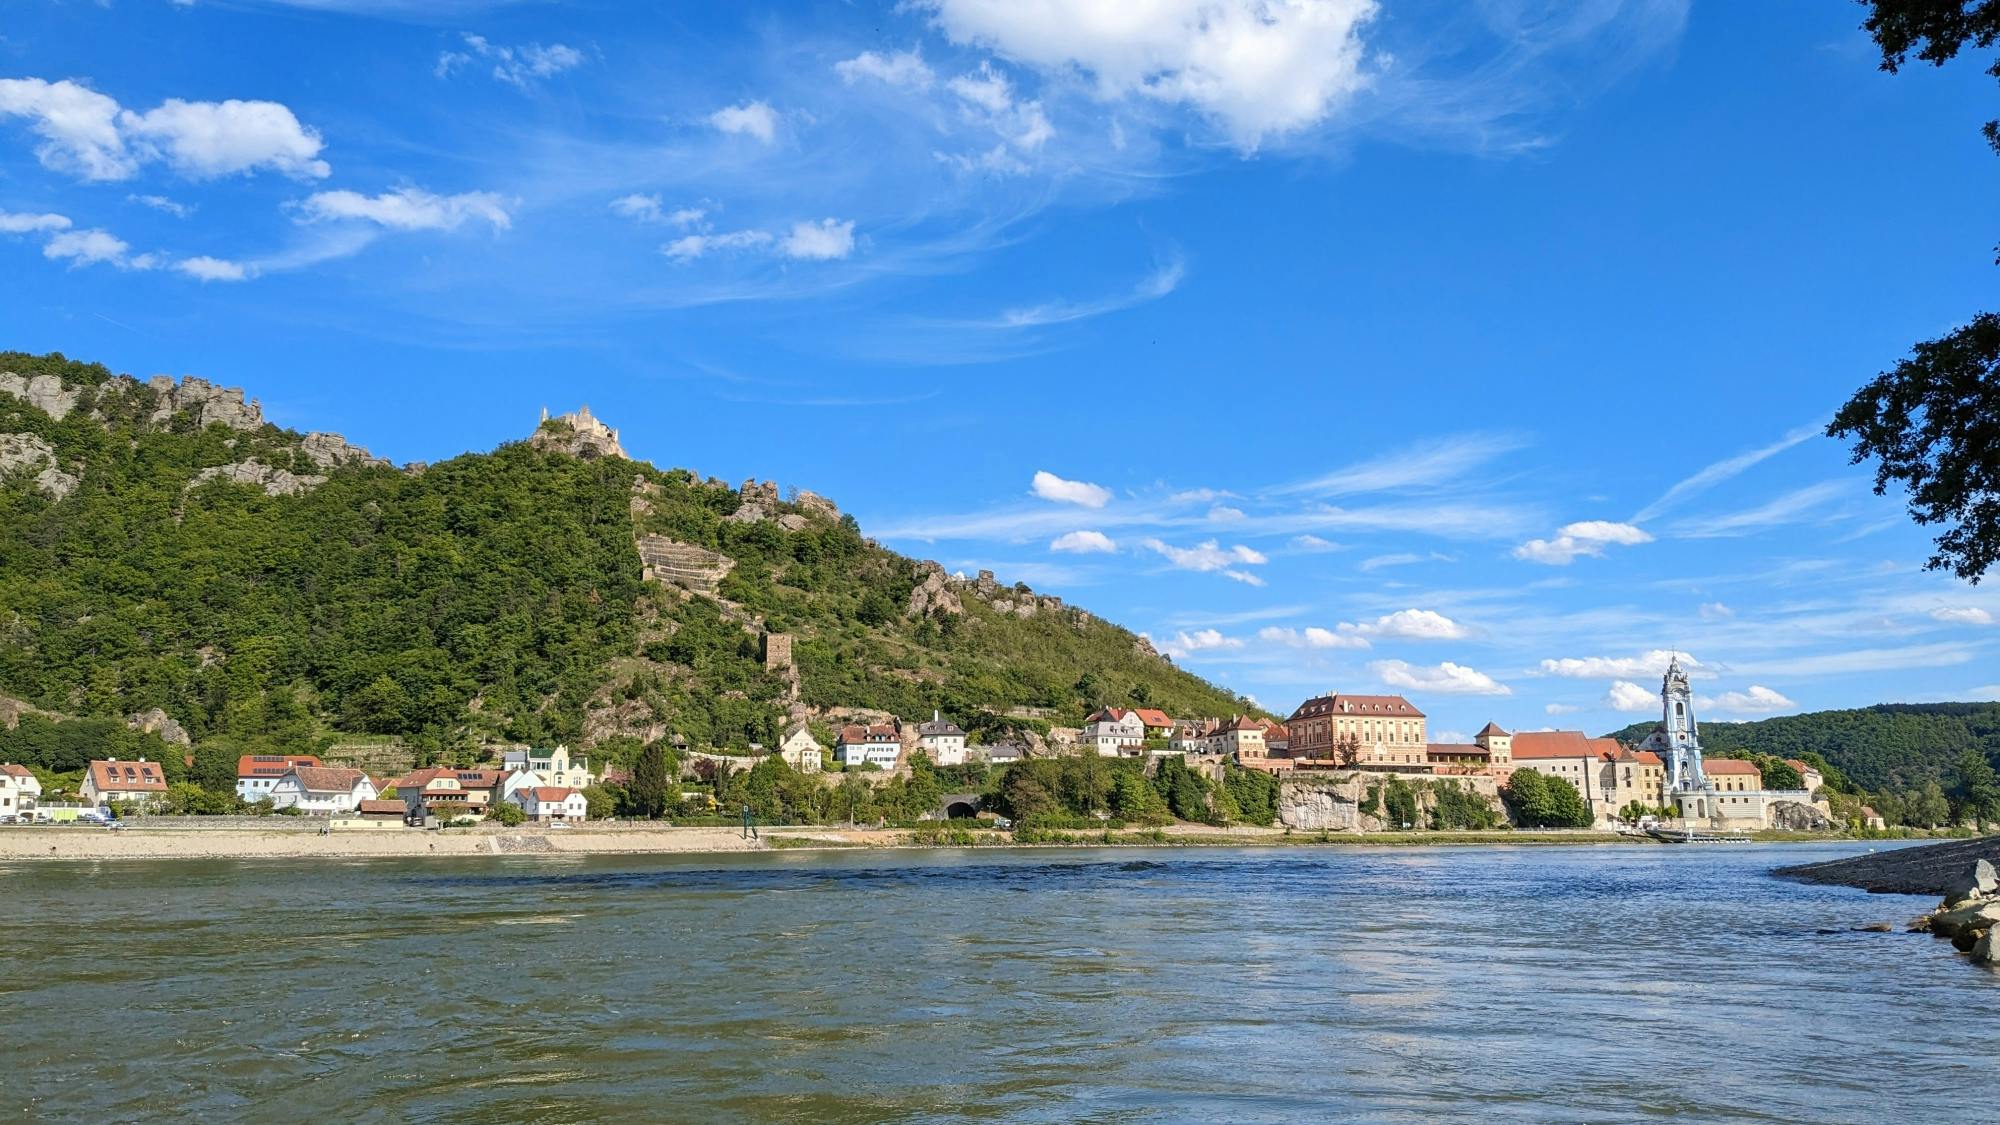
[[1927, 869], [1969, 917]]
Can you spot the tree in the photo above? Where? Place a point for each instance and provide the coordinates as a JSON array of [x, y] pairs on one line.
[[602, 801], [1776, 773], [1399, 803], [1136, 802], [1929, 807], [1976, 789], [1347, 751], [1933, 423], [648, 792], [1542, 801], [507, 814]]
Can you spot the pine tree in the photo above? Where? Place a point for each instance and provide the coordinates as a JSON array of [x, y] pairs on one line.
[[649, 783]]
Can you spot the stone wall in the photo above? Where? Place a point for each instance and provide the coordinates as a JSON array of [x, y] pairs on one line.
[[777, 651], [684, 564]]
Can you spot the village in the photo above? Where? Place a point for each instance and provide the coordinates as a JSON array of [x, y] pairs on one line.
[[1663, 780]]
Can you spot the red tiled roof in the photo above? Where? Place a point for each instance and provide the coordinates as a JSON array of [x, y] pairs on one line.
[[1647, 757], [1372, 706], [1491, 730], [271, 765], [328, 779], [1730, 765], [395, 807], [128, 777], [12, 770], [550, 795], [1559, 744], [1153, 717], [1799, 765]]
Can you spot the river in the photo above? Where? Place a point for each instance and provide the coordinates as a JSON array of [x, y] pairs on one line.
[[1528, 983]]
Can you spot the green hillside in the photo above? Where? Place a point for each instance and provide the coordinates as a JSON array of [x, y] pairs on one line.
[[166, 549], [1893, 746]]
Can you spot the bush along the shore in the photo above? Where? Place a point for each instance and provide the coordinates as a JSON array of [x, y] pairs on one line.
[[1970, 914]]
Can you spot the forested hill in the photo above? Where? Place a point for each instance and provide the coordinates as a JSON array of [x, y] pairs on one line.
[[162, 546], [1892, 746]]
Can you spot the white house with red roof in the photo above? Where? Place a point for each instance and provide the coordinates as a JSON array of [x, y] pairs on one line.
[[256, 774], [1112, 731], [876, 744], [547, 803], [20, 790], [322, 790], [111, 781]]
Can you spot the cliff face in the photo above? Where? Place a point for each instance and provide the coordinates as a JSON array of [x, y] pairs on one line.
[[1341, 802]]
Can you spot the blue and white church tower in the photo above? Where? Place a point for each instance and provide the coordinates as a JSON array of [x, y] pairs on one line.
[[1677, 740]]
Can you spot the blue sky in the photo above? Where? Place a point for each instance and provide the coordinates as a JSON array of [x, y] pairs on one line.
[[1475, 351]]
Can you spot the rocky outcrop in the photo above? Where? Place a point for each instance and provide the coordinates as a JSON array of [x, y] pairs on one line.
[[45, 393], [1797, 816], [764, 494], [580, 435], [30, 454], [159, 722], [1353, 801], [934, 594], [746, 513], [1318, 808], [1972, 884], [273, 480], [208, 403], [813, 504], [331, 451], [1969, 916]]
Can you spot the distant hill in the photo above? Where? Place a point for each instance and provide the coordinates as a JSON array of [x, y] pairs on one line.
[[1895, 746], [162, 546]]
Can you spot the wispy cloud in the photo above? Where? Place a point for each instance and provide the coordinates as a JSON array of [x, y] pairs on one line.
[[1723, 470], [1159, 283], [1792, 507], [1425, 465]]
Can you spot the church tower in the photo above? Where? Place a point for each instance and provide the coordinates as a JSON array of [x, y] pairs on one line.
[[1678, 738]]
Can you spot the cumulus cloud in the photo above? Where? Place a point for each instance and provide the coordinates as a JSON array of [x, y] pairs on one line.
[[87, 134], [1411, 624], [1084, 543], [1256, 68], [93, 247], [754, 119], [1223, 513], [1759, 700], [1652, 663], [897, 68], [1962, 615], [1587, 537], [1443, 679], [1209, 557], [518, 66], [1629, 697], [1186, 644], [21, 222], [205, 268], [1560, 709], [407, 209], [1715, 611], [172, 207], [1311, 637], [1049, 486], [824, 240]]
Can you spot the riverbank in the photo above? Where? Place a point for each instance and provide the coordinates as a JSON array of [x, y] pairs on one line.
[[1921, 870], [302, 841]]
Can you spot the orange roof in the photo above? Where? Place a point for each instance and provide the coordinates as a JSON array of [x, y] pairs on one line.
[[1560, 744], [128, 777], [1799, 765], [325, 779], [1393, 706], [271, 765], [1730, 765], [12, 770], [551, 795], [1153, 717], [383, 807], [1648, 757]]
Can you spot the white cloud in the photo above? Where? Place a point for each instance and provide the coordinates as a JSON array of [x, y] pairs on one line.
[[1962, 615], [1257, 68], [1759, 700], [1715, 611], [824, 240], [1586, 537], [649, 209], [407, 209], [1629, 697], [1209, 557], [1424, 465], [1792, 507], [1444, 679], [1723, 470], [21, 222], [1162, 281], [755, 119], [1223, 513], [78, 127], [204, 140], [1411, 624], [1652, 664], [1084, 543], [1312, 637], [897, 68], [517, 66], [1185, 644], [1560, 709], [88, 248], [172, 207], [1049, 486], [689, 247], [1243, 576], [1313, 544], [205, 268]]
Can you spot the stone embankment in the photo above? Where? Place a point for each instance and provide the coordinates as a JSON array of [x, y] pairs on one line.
[[1925, 870], [1969, 916]]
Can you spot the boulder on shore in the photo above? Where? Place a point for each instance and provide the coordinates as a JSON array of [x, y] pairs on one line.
[[1975, 882]]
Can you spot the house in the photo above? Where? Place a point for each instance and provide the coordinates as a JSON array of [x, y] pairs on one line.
[[1733, 775], [1608, 775], [1872, 819], [1814, 779], [801, 750], [1241, 736], [942, 740], [1193, 736], [322, 790], [1000, 753], [134, 783], [552, 802], [1157, 724], [1386, 732], [1277, 740], [20, 790], [448, 791], [1112, 731], [257, 773], [383, 810], [872, 745], [551, 767]]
